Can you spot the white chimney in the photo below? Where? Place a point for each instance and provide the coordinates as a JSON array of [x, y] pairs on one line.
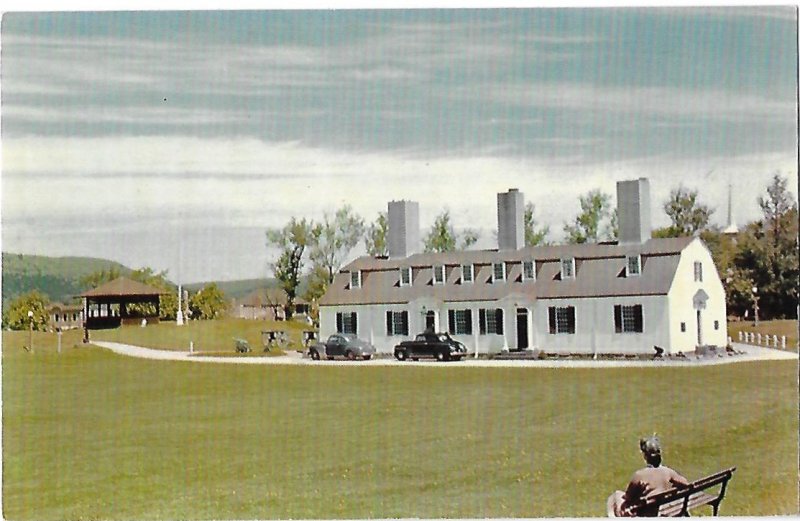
[[633, 211], [510, 220], [403, 224]]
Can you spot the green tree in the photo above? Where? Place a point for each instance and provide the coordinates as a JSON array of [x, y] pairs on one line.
[[595, 210], [291, 242], [208, 303], [534, 234], [688, 216], [334, 238], [16, 316], [375, 238], [168, 301], [443, 237], [100, 277]]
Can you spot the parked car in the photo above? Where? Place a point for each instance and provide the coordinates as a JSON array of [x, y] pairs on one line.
[[342, 345], [440, 346]]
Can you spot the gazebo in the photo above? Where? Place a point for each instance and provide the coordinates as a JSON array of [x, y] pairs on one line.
[[121, 301]]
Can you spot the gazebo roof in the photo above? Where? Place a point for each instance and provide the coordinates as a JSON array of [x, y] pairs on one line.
[[123, 287]]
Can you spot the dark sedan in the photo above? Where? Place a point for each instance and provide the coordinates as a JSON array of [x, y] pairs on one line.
[[440, 346], [342, 345]]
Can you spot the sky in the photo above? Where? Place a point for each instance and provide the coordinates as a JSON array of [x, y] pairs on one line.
[[175, 139]]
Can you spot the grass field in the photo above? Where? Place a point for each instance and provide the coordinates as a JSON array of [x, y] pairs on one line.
[[780, 328], [207, 335], [91, 435]]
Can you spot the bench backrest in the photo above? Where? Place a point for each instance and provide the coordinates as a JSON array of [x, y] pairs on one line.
[[675, 494]]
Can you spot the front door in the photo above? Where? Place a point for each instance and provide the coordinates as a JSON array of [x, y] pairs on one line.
[[430, 321], [522, 328], [699, 328]]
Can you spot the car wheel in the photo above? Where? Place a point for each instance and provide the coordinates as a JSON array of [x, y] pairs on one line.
[[329, 357], [314, 354], [350, 355], [440, 356], [400, 355], [415, 359], [367, 357]]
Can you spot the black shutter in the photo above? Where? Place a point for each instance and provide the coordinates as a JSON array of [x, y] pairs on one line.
[[338, 322], [618, 318], [468, 313], [451, 321], [355, 322], [498, 320], [571, 319], [551, 316], [389, 330], [482, 321], [638, 319], [404, 316]]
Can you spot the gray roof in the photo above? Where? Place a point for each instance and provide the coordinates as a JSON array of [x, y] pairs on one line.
[[600, 271]]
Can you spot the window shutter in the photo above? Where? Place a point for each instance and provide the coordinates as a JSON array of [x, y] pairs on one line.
[[451, 321], [551, 319], [618, 318], [404, 316], [482, 321], [638, 319], [571, 319], [498, 318], [468, 321], [355, 322], [389, 330], [338, 322]]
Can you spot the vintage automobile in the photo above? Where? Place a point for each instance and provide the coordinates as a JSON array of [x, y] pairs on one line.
[[440, 346], [342, 345]]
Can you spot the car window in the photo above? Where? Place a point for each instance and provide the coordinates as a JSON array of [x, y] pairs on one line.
[[442, 338], [333, 339], [421, 338]]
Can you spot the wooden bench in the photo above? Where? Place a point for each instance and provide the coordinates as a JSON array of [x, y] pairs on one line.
[[677, 502]]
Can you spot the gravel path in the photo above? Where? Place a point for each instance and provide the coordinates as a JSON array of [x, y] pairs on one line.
[[751, 354]]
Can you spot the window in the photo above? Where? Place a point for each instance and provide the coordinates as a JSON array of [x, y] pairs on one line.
[[467, 273], [683, 327], [355, 279], [528, 270], [397, 323], [633, 266], [460, 321], [716, 325], [491, 321], [628, 319], [698, 272], [438, 274], [567, 269], [562, 320], [405, 276], [498, 272], [347, 323]]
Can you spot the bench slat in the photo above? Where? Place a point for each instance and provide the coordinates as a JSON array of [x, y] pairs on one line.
[[671, 502]]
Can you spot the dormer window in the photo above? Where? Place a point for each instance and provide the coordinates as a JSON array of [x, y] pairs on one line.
[[405, 276], [467, 274], [528, 270], [633, 266], [355, 279], [438, 274], [567, 268], [498, 272]]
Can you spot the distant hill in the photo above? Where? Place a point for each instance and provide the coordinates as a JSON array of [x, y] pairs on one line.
[[57, 277], [236, 288]]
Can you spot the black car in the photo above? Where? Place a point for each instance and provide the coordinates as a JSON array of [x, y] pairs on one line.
[[440, 346], [341, 344]]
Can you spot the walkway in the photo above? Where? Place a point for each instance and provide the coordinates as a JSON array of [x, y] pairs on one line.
[[751, 354]]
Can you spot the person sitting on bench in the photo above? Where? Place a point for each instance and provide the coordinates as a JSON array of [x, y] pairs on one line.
[[652, 479]]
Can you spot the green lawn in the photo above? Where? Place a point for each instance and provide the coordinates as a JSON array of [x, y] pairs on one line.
[[207, 335], [780, 328], [92, 435]]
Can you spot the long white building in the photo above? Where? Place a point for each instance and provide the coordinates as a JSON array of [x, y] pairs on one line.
[[589, 298]]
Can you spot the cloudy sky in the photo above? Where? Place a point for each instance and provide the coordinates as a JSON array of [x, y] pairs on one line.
[[127, 134]]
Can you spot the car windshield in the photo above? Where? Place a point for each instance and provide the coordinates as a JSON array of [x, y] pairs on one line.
[[349, 337], [443, 337]]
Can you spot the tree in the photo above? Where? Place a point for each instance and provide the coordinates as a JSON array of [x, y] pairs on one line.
[[334, 238], [292, 241], [595, 208], [534, 235], [100, 277], [443, 237], [375, 239], [776, 207], [168, 301], [208, 303], [688, 216], [16, 316]]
